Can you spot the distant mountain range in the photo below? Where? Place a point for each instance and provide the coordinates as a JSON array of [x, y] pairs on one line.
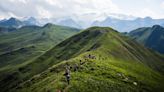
[[119, 22], [16, 23], [12, 22], [151, 37], [68, 22], [122, 25], [31, 21], [128, 25]]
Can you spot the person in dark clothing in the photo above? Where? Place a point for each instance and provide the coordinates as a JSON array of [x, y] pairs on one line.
[[75, 67], [82, 62], [67, 75]]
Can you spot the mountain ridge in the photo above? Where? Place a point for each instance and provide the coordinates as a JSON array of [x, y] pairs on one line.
[[151, 37], [88, 20], [22, 46], [106, 55]]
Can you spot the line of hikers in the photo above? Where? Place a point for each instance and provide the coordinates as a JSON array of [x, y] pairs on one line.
[[75, 67], [68, 71]]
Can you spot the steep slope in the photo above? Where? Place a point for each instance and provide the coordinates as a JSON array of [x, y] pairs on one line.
[[109, 62], [33, 35], [4, 30], [151, 37], [20, 47]]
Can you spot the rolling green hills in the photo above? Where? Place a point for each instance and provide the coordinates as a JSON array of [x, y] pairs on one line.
[[23, 45], [110, 62], [151, 37]]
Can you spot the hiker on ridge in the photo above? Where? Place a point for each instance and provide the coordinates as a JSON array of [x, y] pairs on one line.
[[75, 67], [67, 75]]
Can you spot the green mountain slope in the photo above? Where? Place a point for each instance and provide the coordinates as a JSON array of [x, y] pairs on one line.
[[23, 45], [151, 37], [110, 62]]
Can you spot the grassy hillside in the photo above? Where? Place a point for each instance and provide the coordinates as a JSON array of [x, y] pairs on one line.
[[110, 62], [22, 46], [151, 37]]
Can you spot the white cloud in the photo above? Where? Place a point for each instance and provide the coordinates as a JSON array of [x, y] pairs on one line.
[[55, 8], [43, 13], [21, 1], [59, 8], [56, 3], [51, 2], [147, 12], [162, 5], [96, 6]]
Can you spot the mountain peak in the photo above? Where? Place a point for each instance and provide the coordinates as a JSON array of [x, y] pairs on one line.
[[100, 29], [48, 25], [12, 22], [148, 18], [12, 19], [157, 28], [31, 19], [151, 37]]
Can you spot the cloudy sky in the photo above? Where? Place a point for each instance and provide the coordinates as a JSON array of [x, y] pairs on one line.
[[58, 8]]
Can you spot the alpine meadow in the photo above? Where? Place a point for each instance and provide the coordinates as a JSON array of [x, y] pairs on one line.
[[81, 46]]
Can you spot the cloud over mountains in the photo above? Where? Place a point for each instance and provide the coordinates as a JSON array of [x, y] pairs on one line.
[[59, 8]]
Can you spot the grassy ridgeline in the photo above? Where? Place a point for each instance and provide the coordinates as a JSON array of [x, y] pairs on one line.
[[120, 65]]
